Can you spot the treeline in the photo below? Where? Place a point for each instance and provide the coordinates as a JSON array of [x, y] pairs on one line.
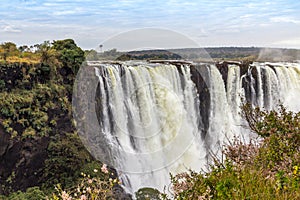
[[200, 54], [11, 53], [60, 53]]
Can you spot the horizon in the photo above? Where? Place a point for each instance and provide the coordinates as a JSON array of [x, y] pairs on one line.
[[261, 24]]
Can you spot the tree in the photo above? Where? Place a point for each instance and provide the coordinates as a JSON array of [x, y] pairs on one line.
[[8, 49], [91, 55], [1, 53], [69, 54], [47, 53], [48, 59], [24, 48], [112, 52]]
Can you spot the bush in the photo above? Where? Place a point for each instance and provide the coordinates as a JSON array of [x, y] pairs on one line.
[[280, 149], [33, 193], [264, 169], [99, 187], [147, 194], [66, 157]]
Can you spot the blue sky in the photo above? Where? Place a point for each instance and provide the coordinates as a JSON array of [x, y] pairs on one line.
[[260, 23]]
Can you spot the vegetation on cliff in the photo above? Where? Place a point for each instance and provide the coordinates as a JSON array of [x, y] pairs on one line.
[[39, 146]]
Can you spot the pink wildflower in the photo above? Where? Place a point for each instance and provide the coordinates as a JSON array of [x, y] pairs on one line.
[[65, 196], [88, 189], [83, 197], [104, 169]]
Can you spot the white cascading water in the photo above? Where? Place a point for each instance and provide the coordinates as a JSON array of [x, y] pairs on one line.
[[154, 112], [151, 119], [219, 127]]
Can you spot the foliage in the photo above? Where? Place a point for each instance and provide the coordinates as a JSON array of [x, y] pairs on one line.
[[8, 49], [90, 187], [2, 84], [69, 54], [66, 157], [10, 53], [52, 56], [147, 194], [49, 58], [33, 193], [35, 104], [280, 130], [263, 169], [229, 182], [26, 112]]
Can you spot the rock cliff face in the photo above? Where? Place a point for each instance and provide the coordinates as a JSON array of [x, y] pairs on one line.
[[21, 162], [199, 74]]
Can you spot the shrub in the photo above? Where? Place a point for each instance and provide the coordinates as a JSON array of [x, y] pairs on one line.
[[33, 193], [100, 187], [147, 194], [264, 169], [66, 157], [280, 131]]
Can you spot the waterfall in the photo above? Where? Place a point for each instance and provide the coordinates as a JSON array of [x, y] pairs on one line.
[[153, 121], [146, 120]]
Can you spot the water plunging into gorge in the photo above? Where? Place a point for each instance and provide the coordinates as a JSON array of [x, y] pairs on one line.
[[149, 119]]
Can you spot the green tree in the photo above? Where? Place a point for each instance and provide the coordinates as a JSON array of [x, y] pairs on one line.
[[69, 54], [8, 49], [48, 54]]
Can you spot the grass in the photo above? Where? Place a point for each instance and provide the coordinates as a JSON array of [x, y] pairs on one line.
[[34, 59]]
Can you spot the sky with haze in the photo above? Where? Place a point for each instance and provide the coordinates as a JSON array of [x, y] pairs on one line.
[[259, 23]]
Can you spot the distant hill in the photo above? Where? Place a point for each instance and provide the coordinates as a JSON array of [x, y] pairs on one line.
[[220, 53], [205, 54]]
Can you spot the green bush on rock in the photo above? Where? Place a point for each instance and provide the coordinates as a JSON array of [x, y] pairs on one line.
[[147, 194], [33, 193], [66, 157]]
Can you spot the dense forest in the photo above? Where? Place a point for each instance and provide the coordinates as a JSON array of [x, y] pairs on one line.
[[42, 157]]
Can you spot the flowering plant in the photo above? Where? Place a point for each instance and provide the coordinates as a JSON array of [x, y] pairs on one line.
[[92, 188]]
